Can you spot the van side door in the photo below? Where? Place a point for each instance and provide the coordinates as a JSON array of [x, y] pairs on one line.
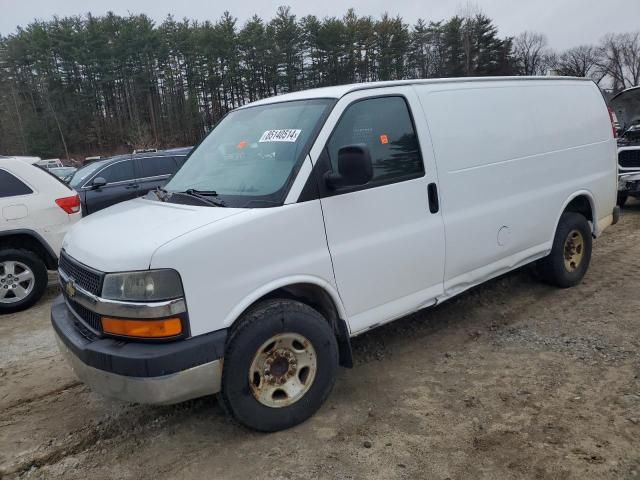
[[386, 238], [122, 184]]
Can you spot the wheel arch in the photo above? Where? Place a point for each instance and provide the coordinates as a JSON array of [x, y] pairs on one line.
[[581, 202], [25, 239], [312, 291]]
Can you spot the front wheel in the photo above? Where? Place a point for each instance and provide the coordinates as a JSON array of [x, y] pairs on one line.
[[570, 255], [280, 365]]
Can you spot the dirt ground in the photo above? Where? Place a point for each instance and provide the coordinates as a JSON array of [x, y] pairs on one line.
[[514, 379]]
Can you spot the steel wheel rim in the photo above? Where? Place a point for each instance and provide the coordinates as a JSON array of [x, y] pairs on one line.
[[283, 370], [16, 281], [573, 250]]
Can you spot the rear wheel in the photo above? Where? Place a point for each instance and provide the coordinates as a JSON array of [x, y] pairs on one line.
[[622, 199], [280, 365], [570, 255], [23, 279]]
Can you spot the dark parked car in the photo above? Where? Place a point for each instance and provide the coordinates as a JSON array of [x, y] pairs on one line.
[[63, 173], [106, 182]]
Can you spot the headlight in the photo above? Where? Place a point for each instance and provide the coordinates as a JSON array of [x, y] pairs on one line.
[[151, 285]]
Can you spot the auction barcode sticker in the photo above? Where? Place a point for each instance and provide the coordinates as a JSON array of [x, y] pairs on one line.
[[284, 135]]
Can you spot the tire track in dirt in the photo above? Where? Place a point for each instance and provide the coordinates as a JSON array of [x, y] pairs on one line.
[[138, 420], [514, 301], [22, 402]]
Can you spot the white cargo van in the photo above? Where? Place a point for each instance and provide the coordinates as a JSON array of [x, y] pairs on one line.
[[303, 220]]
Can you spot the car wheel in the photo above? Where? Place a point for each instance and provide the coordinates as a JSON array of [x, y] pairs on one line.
[[280, 365], [23, 279], [570, 255], [622, 199]]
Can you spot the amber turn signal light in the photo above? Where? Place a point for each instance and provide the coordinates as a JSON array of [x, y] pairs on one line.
[[167, 327]]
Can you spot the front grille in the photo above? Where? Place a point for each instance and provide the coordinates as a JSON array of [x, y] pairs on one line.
[[83, 276], [92, 319], [629, 159], [88, 279]]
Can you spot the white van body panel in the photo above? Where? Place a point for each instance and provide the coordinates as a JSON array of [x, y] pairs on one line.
[[124, 236], [388, 250], [227, 265], [528, 149]]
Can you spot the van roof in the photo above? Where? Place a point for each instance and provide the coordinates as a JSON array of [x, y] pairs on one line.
[[339, 91]]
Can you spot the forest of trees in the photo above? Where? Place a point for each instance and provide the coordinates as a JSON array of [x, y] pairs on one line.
[[77, 86]]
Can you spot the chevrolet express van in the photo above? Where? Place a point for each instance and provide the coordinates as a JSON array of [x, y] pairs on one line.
[[305, 219]]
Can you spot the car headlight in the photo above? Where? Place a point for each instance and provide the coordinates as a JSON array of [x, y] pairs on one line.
[[150, 285]]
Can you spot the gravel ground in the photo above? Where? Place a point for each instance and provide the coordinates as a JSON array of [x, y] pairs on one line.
[[512, 380]]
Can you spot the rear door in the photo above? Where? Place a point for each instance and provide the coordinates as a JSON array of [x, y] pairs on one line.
[[28, 195], [14, 199], [155, 172], [122, 184], [386, 238]]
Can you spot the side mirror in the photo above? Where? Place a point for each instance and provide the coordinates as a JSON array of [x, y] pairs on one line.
[[354, 167], [98, 182]]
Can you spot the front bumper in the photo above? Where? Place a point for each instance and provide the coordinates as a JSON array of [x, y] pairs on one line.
[[152, 373], [629, 182]]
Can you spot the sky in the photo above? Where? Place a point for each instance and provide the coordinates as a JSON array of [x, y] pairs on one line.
[[566, 23]]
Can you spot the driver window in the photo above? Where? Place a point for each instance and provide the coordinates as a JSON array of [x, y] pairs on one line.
[[384, 125]]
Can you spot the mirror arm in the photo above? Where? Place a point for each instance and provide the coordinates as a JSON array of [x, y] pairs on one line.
[[333, 180]]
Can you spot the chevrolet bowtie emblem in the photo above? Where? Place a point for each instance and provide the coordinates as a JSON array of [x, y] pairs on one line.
[[70, 288]]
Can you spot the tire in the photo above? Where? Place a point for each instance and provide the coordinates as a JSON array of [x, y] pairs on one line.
[[569, 259], [22, 263], [253, 366], [622, 199]]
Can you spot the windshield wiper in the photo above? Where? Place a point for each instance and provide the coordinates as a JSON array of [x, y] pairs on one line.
[[204, 196], [160, 193], [204, 193]]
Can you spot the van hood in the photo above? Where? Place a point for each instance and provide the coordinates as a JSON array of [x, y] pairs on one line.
[[125, 236], [626, 104]]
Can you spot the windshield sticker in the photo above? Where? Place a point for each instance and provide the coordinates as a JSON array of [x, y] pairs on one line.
[[284, 135]]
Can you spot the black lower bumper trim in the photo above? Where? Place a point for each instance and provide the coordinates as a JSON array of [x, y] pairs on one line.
[[136, 359]]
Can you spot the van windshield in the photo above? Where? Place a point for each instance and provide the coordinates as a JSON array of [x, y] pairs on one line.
[[252, 154]]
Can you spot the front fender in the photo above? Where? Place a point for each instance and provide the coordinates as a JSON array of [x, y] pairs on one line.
[[258, 293]]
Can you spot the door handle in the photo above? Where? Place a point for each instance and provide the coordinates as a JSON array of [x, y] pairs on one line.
[[132, 185], [434, 203]]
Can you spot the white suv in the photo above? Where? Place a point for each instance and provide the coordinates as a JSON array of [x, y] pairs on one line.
[[36, 210]]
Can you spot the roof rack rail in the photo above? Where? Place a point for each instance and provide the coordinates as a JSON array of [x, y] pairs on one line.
[[145, 150]]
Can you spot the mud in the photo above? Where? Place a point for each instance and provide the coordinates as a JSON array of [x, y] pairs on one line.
[[512, 380]]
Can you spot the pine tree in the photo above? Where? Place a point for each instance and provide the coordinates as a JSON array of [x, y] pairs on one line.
[[106, 84]]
